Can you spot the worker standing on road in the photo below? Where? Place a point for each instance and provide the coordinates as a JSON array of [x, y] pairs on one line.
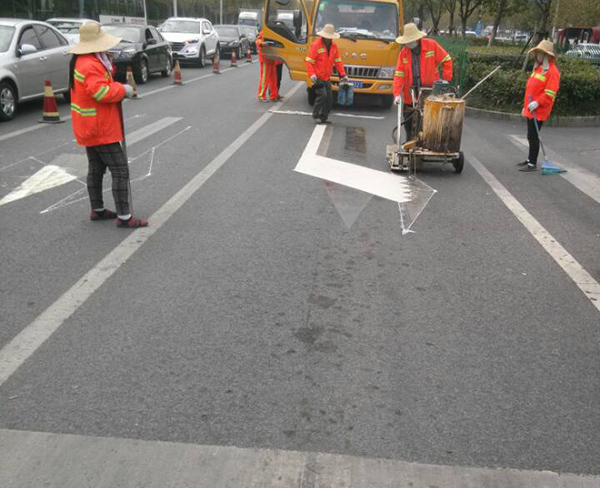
[[540, 95], [418, 66], [95, 100], [322, 56], [268, 74]]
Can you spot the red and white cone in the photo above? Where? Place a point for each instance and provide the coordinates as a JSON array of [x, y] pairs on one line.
[[248, 56], [233, 60], [216, 60], [177, 80], [131, 82], [50, 113]]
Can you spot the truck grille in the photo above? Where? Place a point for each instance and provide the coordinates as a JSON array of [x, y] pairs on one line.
[[177, 46], [359, 71]]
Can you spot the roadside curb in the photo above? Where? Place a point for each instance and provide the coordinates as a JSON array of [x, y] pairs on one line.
[[478, 113]]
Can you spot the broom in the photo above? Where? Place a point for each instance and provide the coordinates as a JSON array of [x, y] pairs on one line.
[[548, 167]]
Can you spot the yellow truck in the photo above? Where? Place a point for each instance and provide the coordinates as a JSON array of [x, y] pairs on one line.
[[368, 30]]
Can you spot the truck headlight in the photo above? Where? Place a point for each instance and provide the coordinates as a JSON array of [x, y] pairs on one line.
[[387, 72]]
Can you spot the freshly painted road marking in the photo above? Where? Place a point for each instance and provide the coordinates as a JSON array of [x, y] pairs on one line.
[[584, 281], [582, 179], [27, 130], [338, 114], [21, 347], [68, 167], [34, 459]]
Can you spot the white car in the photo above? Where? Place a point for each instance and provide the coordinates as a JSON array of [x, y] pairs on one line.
[[192, 40], [69, 27], [587, 51]]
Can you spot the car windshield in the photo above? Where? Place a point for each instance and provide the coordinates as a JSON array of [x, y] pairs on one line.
[[226, 31], [129, 34], [183, 26], [6, 35], [359, 20], [249, 31], [66, 27], [251, 22]]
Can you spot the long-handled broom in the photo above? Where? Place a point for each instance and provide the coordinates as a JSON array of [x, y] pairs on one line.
[[548, 167]]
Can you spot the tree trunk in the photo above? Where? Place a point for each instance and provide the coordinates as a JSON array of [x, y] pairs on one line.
[[497, 20], [451, 26], [463, 23]]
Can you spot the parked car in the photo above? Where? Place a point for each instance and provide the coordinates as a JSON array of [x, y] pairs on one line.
[[68, 27], [232, 39], [587, 51], [251, 34], [31, 52], [192, 40], [143, 48]]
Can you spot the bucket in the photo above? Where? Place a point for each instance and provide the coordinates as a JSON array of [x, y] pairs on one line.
[[442, 124]]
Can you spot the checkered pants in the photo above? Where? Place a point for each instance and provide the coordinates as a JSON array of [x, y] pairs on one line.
[[109, 156]]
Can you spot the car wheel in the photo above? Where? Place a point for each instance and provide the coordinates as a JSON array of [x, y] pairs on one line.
[[141, 74], [8, 101], [167, 71], [202, 57]]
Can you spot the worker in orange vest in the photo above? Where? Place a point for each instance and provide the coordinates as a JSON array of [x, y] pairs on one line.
[[95, 100], [268, 74], [322, 56], [540, 95], [418, 66]]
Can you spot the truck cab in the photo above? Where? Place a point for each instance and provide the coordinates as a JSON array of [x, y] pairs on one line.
[[368, 30]]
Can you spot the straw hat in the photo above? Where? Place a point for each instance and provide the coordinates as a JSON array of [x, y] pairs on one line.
[[411, 33], [328, 32], [92, 39], [546, 47]]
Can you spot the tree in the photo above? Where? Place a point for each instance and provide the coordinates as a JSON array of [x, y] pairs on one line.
[[545, 8], [501, 8], [450, 6], [466, 9], [435, 9]]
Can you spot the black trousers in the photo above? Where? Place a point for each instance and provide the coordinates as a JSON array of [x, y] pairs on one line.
[[279, 69], [113, 157], [534, 140], [407, 119], [324, 100]]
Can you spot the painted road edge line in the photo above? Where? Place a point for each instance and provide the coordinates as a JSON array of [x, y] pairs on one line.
[[21, 347], [584, 281]]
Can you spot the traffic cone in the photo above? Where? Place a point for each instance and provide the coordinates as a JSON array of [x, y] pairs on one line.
[[50, 113], [233, 60], [248, 56], [131, 82], [216, 59], [177, 74]]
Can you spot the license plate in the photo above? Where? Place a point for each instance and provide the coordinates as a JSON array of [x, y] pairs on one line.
[[357, 84]]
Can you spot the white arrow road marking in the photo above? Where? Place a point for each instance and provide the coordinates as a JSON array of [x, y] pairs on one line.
[[69, 167]]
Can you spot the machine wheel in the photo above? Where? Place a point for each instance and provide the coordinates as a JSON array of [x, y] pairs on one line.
[[459, 163], [387, 101], [8, 101]]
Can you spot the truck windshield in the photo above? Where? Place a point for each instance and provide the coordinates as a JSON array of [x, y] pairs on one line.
[[359, 19]]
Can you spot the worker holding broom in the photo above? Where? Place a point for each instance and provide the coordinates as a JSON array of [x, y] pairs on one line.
[[540, 95], [98, 122]]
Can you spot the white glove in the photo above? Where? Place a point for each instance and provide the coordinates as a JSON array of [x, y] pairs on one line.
[[128, 91], [533, 106], [345, 79], [313, 78], [398, 100]]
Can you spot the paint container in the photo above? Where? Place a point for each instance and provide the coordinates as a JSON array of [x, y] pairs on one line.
[[442, 124]]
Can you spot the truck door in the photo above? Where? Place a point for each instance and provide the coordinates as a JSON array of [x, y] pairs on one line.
[[285, 33]]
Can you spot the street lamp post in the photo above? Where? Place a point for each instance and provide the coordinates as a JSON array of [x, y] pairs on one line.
[[221, 11]]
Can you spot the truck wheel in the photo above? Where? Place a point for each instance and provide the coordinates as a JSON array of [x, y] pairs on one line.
[[459, 163], [387, 101]]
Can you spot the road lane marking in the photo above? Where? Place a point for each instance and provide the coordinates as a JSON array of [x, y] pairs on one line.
[[337, 114], [584, 281], [151, 129], [26, 130], [48, 177], [21, 347], [585, 181], [62, 460]]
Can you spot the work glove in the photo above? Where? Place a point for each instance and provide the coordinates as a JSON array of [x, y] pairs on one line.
[[344, 79], [533, 106], [128, 91], [397, 100], [313, 78]]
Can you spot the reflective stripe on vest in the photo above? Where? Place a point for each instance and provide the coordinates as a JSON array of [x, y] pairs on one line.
[[100, 94], [550, 93], [84, 112], [310, 60], [538, 76], [429, 54], [78, 76]]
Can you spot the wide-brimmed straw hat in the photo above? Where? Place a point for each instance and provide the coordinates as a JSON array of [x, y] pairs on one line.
[[93, 39], [546, 47], [328, 32], [411, 33]]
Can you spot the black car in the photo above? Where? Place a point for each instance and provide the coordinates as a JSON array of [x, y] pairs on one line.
[[142, 48], [232, 39], [251, 33]]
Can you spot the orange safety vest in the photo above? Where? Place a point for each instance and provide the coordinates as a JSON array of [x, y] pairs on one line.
[[542, 88], [320, 63], [432, 56], [94, 97]]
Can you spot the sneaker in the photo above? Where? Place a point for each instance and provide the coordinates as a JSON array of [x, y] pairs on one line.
[[104, 215], [263, 100], [529, 168], [523, 164], [132, 223], [324, 121]]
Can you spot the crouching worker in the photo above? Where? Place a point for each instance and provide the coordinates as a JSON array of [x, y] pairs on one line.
[[322, 56], [97, 125]]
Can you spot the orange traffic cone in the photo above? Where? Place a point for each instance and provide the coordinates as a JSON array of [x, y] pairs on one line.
[[50, 113], [216, 59], [233, 60], [131, 81], [177, 74], [248, 56]]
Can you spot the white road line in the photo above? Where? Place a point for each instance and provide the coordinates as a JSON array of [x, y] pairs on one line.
[[33, 459], [26, 130], [20, 348], [151, 129], [584, 281], [337, 114], [582, 179]]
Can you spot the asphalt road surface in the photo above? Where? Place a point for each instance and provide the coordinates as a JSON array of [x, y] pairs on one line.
[[271, 328]]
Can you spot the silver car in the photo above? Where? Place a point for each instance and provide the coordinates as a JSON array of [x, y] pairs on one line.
[[68, 27], [31, 52]]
